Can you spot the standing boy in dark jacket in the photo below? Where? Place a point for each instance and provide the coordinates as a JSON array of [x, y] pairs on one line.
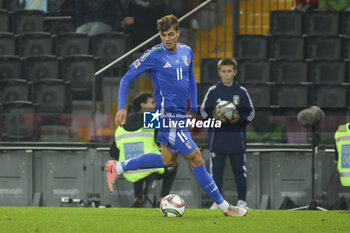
[[230, 139]]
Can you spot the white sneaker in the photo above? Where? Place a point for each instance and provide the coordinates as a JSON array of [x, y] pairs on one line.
[[234, 211], [214, 206], [242, 204]]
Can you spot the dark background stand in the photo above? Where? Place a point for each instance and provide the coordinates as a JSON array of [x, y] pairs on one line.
[[315, 143]]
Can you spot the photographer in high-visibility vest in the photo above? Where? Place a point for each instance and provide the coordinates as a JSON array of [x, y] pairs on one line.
[[133, 140], [342, 141]]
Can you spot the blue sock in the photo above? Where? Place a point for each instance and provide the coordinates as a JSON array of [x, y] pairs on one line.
[[207, 183], [148, 160]]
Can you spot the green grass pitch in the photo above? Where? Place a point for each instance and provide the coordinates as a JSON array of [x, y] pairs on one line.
[[64, 219]]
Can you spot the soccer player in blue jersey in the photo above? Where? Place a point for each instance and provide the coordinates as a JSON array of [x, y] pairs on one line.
[[170, 65]]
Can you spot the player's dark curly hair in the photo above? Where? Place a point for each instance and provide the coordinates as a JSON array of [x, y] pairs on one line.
[[139, 99], [168, 21], [228, 62]]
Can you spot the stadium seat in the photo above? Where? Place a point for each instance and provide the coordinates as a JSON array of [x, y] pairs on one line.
[[13, 89], [4, 21], [1, 119], [260, 94], [59, 24], [286, 23], [23, 21], [322, 23], [292, 95], [64, 7], [54, 6], [290, 71], [207, 19], [71, 43], [251, 46], [10, 67], [40, 67], [179, 7], [331, 96], [79, 71], [209, 70], [7, 44], [19, 121], [291, 47], [345, 23], [52, 96], [345, 41], [12, 5], [254, 71], [187, 37], [347, 69], [332, 71], [109, 46], [34, 43], [324, 47], [296, 134], [202, 90]]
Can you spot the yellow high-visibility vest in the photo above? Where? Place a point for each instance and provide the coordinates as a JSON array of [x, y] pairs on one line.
[[134, 143], [342, 140]]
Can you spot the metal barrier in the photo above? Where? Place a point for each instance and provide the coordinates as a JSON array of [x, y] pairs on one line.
[[40, 174]]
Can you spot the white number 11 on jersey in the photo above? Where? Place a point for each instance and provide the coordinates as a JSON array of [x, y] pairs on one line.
[[179, 73]]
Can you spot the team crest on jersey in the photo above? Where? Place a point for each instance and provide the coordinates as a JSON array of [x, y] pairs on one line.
[[185, 59], [236, 99], [188, 145], [136, 63]]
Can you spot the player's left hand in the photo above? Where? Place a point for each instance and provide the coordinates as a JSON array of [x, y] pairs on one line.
[[120, 117]]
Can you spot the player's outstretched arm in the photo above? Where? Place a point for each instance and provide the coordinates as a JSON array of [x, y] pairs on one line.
[[120, 117]]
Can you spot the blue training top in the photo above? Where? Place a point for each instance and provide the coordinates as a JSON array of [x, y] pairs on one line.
[[172, 78], [229, 138]]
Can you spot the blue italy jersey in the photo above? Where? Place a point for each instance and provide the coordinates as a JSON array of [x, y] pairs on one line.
[[172, 77]]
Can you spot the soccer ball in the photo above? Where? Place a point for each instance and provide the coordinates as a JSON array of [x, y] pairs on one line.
[[225, 111], [172, 205]]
